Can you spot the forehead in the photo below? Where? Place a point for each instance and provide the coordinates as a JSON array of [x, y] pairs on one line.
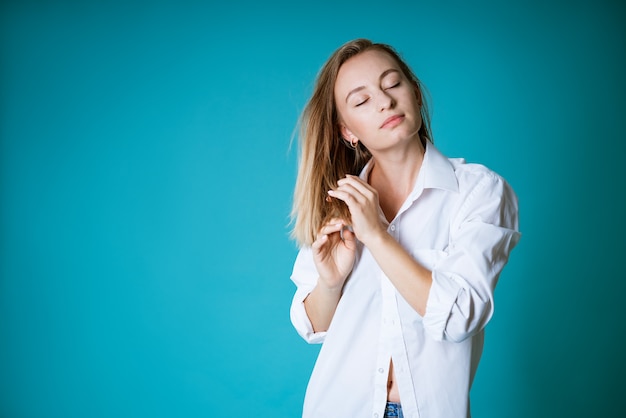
[[364, 67]]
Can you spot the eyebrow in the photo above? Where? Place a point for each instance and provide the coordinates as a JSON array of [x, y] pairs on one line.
[[383, 75]]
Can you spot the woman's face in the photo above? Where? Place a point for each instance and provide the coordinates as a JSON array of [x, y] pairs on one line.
[[377, 103]]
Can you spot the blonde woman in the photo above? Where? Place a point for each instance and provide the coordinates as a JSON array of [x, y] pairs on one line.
[[401, 247]]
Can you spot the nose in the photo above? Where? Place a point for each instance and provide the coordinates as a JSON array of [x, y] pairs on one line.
[[385, 101]]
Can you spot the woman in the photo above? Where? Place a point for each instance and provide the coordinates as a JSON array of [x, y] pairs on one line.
[[401, 248]]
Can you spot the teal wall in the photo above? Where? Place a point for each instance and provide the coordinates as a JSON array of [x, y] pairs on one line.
[[146, 178]]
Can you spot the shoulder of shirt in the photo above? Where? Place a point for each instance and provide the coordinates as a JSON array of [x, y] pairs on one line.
[[473, 173]]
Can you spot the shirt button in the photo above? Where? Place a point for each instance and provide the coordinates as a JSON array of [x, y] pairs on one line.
[[381, 370], [375, 414], [392, 227]]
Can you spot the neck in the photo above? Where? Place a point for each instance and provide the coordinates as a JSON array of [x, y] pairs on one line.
[[393, 176], [396, 170]]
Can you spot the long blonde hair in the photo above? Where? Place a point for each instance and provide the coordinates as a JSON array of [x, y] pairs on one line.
[[325, 157]]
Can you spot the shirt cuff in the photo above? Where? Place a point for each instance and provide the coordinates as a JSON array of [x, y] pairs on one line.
[[444, 292], [301, 321]]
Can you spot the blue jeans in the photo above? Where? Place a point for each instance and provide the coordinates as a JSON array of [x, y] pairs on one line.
[[393, 409]]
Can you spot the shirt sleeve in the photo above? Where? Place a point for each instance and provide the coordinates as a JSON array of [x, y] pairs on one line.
[[483, 233], [304, 276]]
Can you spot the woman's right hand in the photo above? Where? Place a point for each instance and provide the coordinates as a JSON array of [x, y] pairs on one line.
[[333, 255]]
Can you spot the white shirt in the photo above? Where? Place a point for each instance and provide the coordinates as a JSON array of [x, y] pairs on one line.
[[461, 222]]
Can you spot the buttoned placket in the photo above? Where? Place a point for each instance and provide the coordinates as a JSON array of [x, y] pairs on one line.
[[391, 345]]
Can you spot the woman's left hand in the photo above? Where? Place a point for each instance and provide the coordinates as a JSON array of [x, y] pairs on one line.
[[362, 201]]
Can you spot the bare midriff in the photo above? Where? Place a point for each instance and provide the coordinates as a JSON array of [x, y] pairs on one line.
[[393, 394]]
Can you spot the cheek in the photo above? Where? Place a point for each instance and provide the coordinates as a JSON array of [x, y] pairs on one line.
[[416, 109], [358, 124]]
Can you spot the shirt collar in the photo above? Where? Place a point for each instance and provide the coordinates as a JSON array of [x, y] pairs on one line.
[[436, 172]]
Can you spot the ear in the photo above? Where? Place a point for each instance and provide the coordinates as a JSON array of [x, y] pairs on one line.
[[347, 133]]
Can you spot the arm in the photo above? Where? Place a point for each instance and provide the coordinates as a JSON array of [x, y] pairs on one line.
[[482, 235], [334, 258], [456, 297], [320, 306], [409, 277]]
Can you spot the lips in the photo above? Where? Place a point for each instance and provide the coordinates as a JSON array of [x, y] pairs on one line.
[[392, 121]]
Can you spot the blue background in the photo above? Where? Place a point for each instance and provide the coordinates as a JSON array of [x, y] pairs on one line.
[[146, 179]]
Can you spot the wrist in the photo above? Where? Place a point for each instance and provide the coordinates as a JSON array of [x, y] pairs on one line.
[[323, 286], [375, 238]]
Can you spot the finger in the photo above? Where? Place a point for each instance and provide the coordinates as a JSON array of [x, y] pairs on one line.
[[331, 228], [342, 195], [342, 233], [334, 221], [348, 194], [358, 184], [353, 189], [319, 242], [349, 238]]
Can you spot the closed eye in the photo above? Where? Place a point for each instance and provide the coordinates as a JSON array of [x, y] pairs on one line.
[[360, 103], [393, 85]]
